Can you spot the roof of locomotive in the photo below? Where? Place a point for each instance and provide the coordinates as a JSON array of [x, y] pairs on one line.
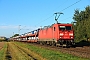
[[64, 24], [60, 24]]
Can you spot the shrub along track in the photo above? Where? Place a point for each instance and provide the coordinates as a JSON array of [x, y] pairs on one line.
[[16, 52], [83, 52]]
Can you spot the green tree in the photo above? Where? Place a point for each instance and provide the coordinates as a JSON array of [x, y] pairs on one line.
[[82, 26]]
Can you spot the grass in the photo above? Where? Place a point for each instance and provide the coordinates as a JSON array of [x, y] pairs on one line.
[[50, 54], [3, 52], [16, 53]]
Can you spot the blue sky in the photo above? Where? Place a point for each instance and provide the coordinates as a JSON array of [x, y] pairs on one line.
[[31, 14]]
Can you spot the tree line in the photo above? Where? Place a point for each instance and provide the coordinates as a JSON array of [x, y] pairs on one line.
[[81, 24]]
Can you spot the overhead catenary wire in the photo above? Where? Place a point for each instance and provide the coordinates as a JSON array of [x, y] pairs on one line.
[[60, 11], [48, 17], [45, 19], [71, 5], [67, 18]]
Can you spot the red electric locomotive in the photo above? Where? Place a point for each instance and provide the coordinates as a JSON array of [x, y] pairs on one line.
[[57, 34]]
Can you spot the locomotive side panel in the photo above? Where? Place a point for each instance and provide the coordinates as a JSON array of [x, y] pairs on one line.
[[49, 33], [55, 32], [46, 34]]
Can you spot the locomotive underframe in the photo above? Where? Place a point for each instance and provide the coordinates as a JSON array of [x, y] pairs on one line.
[[65, 42], [56, 42]]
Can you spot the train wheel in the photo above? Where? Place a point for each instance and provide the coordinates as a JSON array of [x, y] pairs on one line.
[[50, 43], [53, 43]]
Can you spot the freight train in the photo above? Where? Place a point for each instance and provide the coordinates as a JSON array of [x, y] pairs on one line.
[[57, 34]]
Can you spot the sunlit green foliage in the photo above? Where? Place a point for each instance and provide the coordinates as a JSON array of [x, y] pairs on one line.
[[82, 26]]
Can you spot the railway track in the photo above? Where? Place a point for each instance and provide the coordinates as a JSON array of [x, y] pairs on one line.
[[80, 51], [25, 53], [8, 54], [83, 52], [16, 52]]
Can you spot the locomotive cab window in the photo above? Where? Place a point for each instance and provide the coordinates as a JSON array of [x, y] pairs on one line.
[[64, 27], [68, 27]]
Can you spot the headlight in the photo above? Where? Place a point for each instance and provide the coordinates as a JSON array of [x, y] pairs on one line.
[[71, 34], [60, 37], [61, 34], [71, 37]]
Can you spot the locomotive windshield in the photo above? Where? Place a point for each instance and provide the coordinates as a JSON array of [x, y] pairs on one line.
[[65, 28]]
